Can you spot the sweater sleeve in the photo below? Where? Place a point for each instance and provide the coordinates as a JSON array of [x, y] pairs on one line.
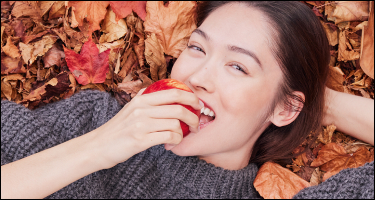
[[25, 132], [352, 183]]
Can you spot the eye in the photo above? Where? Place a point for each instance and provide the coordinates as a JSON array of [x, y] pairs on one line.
[[238, 67], [195, 48]]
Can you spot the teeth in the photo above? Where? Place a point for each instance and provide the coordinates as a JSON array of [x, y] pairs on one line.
[[208, 112]]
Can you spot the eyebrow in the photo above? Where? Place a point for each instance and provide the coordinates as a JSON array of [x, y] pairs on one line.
[[246, 52], [232, 48]]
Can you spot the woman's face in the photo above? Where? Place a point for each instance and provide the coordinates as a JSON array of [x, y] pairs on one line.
[[230, 67]]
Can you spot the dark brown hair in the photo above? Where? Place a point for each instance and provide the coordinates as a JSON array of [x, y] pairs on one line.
[[301, 48]]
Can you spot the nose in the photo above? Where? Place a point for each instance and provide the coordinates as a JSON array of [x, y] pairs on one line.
[[203, 79]]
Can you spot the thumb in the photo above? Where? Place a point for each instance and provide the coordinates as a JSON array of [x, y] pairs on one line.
[[141, 91]]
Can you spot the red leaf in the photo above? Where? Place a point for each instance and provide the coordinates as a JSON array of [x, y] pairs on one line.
[[124, 8], [89, 66]]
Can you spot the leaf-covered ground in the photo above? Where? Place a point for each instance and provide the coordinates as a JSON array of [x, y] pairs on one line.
[[53, 49]]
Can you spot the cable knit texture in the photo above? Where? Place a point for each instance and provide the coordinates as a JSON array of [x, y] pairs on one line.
[[153, 173]]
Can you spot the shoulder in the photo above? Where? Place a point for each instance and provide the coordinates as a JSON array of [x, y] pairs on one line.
[[348, 183]]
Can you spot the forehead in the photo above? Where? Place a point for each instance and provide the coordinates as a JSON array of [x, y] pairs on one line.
[[238, 24]]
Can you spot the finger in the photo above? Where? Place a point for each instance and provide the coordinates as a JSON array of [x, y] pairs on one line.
[[170, 96], [172, 112], [155, 125], [140, 92], [163, 137]]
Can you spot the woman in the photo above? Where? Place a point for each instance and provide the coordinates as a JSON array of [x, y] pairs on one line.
[[260, 67]]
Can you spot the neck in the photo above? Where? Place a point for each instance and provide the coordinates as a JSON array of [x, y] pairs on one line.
[[236, 159], [228, 160]]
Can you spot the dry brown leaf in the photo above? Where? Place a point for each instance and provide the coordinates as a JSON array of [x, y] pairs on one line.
[[11, 65], [10, 49], [155, 58], [325, 137], [119, 44], [367, 45], [332, 35], [45, 6], [93, 11], [345, 51], [336, 78], [315, 177], [114, 30], [131, 87], [172, 24], [31, 51], [359, 158], [39, 92], [275, 182], [327, 153], [27, 8], [136, 26], [53, 57], [7, 90], [2, 31], [128, 63], [351, 11], [57, 10]]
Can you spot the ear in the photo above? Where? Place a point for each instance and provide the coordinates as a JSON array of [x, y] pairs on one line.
[[284, 115]]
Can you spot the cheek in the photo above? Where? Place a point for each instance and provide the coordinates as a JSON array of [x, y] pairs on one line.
[[248, 102], [183, 67]]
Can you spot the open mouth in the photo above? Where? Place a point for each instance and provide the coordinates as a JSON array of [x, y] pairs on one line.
[[207, 117]]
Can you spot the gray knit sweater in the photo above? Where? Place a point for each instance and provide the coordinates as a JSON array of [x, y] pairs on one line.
[[153, 173]]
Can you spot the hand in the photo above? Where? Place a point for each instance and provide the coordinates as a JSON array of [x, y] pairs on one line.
[[147, 120]]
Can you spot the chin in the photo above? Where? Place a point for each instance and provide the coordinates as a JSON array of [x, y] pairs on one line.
[[181, 150]]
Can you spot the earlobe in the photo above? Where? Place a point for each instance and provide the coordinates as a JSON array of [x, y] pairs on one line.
[[284, 115]]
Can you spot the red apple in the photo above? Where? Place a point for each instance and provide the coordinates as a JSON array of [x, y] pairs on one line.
[[167, 84]]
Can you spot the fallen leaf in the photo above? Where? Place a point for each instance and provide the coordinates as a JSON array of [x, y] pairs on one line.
[[90, 65], [325, 136], [335, 78], [45, 6], [344, 52], [367, 45], [316, 177], [128, 64], [114, 30], [31, 51], [53, 57], [332, 35], [93, 11], [136, 26], [131, 87], [27, 8], [119, 44], [7, 90], [327, 153], [172, 24], [124, 8], [351, 11], [57, 10], [19, 28], [333, 158], [359, 158], [275, 182], [305, 173], [10, 49], [11, 65], [155, 58]]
